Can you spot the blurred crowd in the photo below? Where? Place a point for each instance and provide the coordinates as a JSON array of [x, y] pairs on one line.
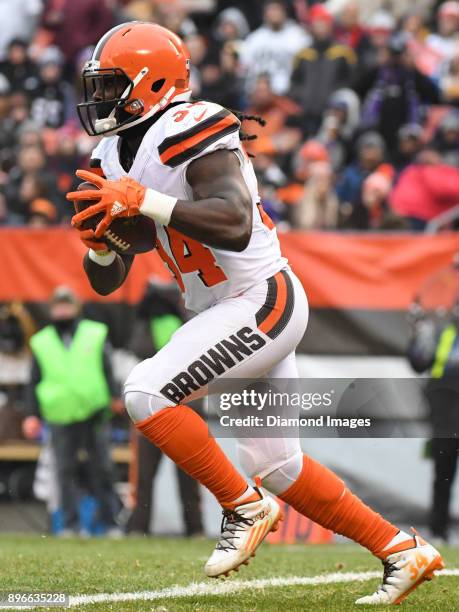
[[353, 103]]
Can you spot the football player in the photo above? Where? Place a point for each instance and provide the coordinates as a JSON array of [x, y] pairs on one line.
[[181, 164]]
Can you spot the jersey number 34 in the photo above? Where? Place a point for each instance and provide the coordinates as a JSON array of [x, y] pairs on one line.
[[190, 256]]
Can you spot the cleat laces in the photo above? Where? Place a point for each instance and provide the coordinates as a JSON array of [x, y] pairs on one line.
[[232, 524], [389, 570]]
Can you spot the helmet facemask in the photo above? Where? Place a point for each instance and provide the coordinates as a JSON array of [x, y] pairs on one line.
[[107, 105]]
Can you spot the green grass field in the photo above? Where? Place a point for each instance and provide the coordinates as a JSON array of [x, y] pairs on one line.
[[88, 567]]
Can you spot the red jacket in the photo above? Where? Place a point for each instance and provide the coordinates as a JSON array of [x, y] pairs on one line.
[[425, 191]]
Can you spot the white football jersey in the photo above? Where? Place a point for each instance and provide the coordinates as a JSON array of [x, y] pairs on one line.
[[183, 133]]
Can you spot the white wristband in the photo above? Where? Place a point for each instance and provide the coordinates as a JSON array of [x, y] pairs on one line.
[[102, 258], [158, 206]]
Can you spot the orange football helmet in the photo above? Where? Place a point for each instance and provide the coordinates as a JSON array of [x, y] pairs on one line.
[[136, 70]]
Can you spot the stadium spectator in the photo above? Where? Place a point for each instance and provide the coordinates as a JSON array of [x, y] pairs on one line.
[[319, 207], [7, 218], [379, 27], [197, 48], [393, 93], [445, 40], [231, 27], [433, 348], [253, 11], [409, 145], [52, 98], [414, 25], [174, 16], [5, 90], [159, 314], [339, 124], [221, 82], [71, 390], [19, 19], [232, 53], [42, 213], [370, 154], [29, 180], [446, 139], [17, 105], [135, 10], [397, 8], [72, 26], [376, 212], [449, 78], [270, 177], [278, 135], [425, 189], [320, 69], [63, 161], [18, 68], [7, 130], [425, 58], [270, 49], [349, 30], [372, 210], [292, 192]]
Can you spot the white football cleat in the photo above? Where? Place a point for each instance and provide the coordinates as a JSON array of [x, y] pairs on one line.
[[404, 570], [243, 530]]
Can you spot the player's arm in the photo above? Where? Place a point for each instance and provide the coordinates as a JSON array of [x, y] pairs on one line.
[[220, 215], [221, 211], [106, 276]]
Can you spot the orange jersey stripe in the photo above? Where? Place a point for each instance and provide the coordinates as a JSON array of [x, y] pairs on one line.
[[192, 141], [279, 306]]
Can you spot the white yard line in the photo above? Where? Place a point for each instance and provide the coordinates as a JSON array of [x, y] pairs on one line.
[[202, 589]]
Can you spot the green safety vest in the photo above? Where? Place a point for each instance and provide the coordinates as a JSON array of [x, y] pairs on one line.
[[444, 348], [162, 328], [73, 385]]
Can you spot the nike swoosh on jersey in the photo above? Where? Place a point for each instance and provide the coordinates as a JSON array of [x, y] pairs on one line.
[[200, 116]]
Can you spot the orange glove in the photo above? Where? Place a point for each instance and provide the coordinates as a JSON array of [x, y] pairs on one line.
[[121, 198], [86, 237]]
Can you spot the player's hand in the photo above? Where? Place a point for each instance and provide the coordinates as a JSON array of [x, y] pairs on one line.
[[121, 198], [87, 237]]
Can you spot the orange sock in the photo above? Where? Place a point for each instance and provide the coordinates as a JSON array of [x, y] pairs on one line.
[[184, 437], [323, 497]]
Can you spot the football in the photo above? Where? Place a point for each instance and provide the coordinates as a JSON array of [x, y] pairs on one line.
[[128, 236]]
